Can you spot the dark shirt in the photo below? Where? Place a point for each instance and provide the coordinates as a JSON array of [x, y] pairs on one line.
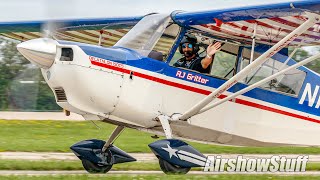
[[195, 64]]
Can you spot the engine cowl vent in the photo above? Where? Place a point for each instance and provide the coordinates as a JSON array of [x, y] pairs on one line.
[[60, 95]]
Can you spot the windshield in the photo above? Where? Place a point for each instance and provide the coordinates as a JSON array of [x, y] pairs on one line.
[[144, 36]]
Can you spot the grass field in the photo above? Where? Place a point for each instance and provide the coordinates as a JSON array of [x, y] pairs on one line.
[[58, 136], [70, 165], [76, 165], [158, 177]]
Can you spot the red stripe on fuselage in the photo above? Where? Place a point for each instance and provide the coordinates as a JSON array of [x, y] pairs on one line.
[[202, 91]]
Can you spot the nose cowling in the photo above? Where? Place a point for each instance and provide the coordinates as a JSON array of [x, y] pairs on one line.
[[41, 52]]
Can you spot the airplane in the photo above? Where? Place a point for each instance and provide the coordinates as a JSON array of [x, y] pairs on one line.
[[120, 71]]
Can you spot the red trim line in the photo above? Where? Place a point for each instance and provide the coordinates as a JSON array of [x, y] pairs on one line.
[[204, 92]]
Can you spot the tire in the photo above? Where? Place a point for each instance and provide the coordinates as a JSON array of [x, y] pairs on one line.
[[169, 168], [95, 168]]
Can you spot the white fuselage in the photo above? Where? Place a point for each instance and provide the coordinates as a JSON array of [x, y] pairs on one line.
[[109, 91]]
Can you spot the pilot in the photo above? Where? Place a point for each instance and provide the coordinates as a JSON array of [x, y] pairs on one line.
[[191, 60]]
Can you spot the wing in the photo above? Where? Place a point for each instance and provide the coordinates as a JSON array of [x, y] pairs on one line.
[[273, 22], [79, 30]]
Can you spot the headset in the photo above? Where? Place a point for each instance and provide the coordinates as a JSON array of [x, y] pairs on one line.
[[191, 39]]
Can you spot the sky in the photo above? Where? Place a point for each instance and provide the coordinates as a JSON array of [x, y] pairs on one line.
[[24, 10]]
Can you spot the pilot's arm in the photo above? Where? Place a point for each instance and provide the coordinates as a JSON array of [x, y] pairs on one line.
[[211, 50]]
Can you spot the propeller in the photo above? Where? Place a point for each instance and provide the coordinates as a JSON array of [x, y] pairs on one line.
[[58, 9], [42, 51]]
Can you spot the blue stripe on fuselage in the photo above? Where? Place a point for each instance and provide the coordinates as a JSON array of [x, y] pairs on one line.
[[132, 59]]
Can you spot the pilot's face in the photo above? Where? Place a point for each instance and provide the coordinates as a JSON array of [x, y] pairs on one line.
[[187, 49]]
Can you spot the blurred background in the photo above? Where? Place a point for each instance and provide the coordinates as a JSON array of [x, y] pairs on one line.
[[22, 87]]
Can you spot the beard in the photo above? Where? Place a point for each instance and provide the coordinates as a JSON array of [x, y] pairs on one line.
[[188, 53]]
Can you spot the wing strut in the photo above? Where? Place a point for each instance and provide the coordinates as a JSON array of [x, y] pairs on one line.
[[257, 84], [287, 60], [312, 19]]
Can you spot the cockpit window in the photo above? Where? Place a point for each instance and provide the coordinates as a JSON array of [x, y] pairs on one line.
[[290, 83], [223, 61], [165, 43], [66, 54], [223, 65]]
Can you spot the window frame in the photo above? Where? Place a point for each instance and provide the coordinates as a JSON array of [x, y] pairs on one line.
[[175, 47], [169, 56], [272, 90]]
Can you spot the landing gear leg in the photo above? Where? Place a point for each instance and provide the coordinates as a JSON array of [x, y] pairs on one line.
[[164, 120], [98, 156], [116, 132], [167, 167], [92, 167]]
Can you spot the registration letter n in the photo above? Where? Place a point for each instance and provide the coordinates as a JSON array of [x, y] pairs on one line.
[[311, 96]]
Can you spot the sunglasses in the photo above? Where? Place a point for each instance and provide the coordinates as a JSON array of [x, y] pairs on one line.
[[187, 45]]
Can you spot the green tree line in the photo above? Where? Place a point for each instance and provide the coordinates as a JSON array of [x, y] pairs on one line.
[[22, 87], [301, 54]]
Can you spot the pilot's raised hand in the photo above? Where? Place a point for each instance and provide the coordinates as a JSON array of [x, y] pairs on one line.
[[213, 48]]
